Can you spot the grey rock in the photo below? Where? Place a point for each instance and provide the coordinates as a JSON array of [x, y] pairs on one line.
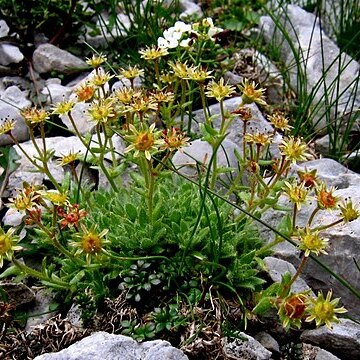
[[61, 146], [47, 58], [55, 92], [190, 8], [200, 152], [12, 100], [10, 54], [4, 29], [344, 238], [74, 316], [21, 83], [267, 341], [342, 340], [247, 349], [307, 39], [325, 355], [277, 267], [40, 312], [251, 64], [102, 345], [322, 145]]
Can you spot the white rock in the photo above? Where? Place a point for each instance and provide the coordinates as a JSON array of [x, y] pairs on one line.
[[102, 345], [14, 100], [4, 29], [10, 54]]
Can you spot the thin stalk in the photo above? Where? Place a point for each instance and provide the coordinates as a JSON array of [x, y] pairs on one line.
[[37, 274], [298, 272]]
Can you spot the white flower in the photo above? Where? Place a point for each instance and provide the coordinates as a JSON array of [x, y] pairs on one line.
[[213, 31], [182, 27], [185, 43], [208, 22]]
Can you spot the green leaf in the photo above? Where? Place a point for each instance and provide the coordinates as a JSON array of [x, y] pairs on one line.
[[131, 211], [264, 305], [208, 129], [77, 277]]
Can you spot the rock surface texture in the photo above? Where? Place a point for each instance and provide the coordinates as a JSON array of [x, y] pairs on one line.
[[309, 54], [102, 345]]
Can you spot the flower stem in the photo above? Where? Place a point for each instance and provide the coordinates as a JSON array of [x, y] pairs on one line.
[[37, 274]]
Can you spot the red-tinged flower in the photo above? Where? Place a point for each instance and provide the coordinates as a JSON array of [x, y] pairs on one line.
[[292, 310], [71, 217]]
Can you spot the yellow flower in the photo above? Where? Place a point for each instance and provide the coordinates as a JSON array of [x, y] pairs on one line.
[[250, 94], [26, 200], [56, 197], [85, 92], [174, 139], [34, 116], [325, 197], [102, 111], [8, 245], [348, 211], [141, 105], [68, 158], [90, 242], [292, 310], [167, 78], [297, 193], [258, 138], [125, 95], [324, 311], [96, 60], [63, 107], [101, 78], [279, 121], [181, 70], [162, 97], [131, 72], [198, 74], [7, 126], [145, 141], [153, 53], [311, 242], [294, 149], [219, 90]]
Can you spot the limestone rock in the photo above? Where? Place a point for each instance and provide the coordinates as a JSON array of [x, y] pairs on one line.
[[201, 152], [40, 312], [10, 54], [4, 29], [318, 55], [189, 8], [247, 349], [47, 58], [277, 267], [267, 341], [343, 339], [102, 345], [14, 100]]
